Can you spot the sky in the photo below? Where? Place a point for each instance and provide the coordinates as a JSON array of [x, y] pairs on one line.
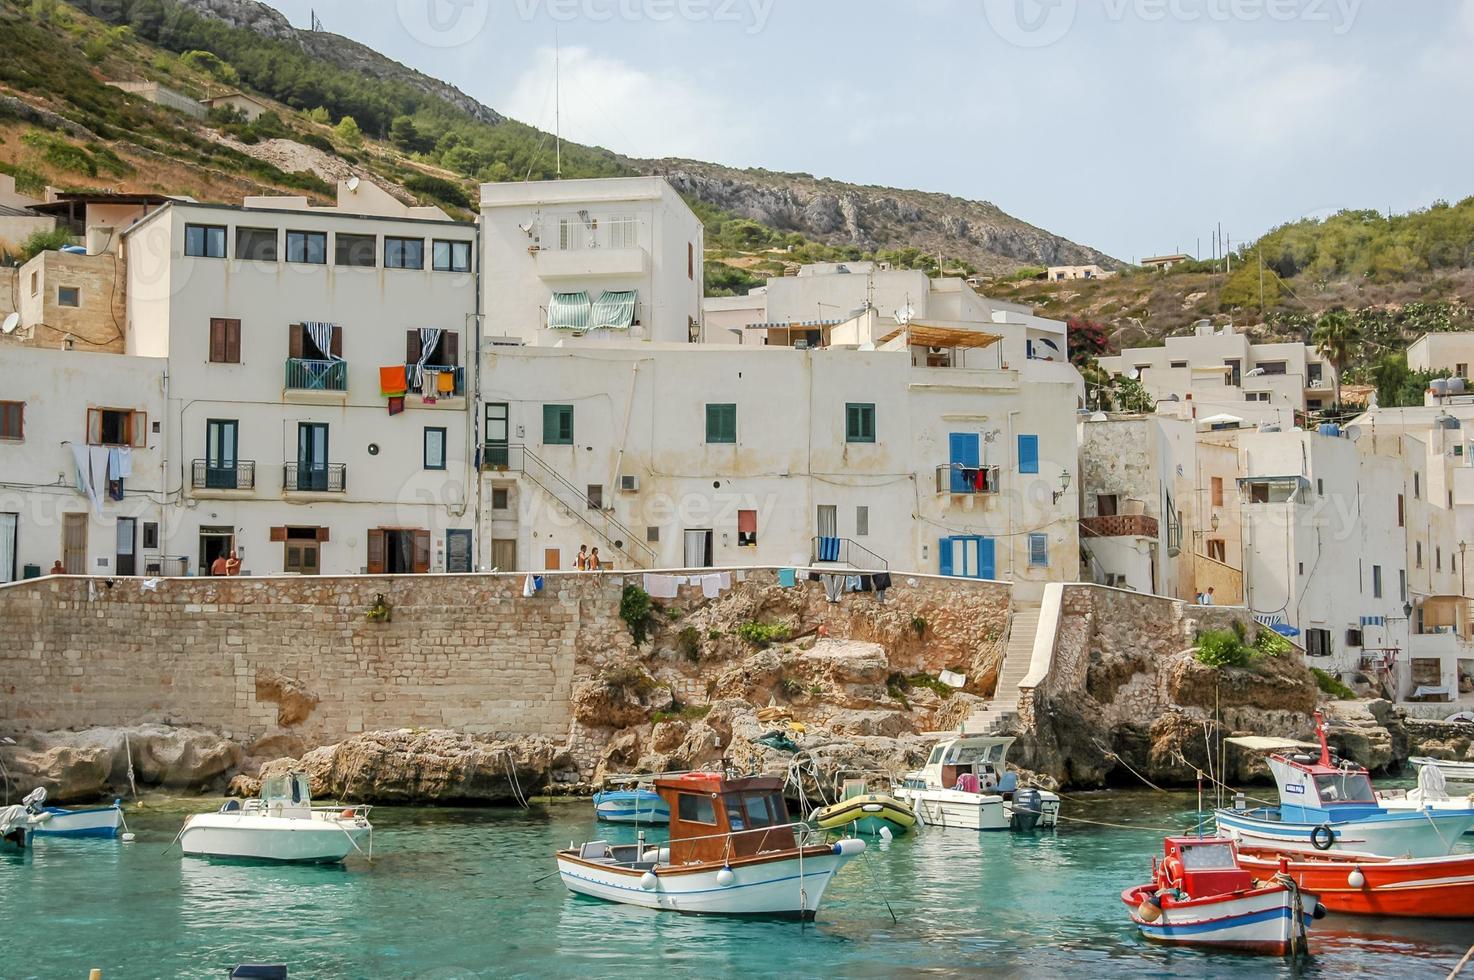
[[1133, 126]]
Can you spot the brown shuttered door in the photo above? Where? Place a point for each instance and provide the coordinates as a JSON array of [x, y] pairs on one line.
[[217, 341], [376, 552], [232, 341], [337, 342], [278, 534], [412, 347], [294, 340], [422, 552], [450, 346]]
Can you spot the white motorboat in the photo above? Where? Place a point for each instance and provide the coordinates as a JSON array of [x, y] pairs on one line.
[[965, 785], [281, 825], [1453, 772], [100, 821], [732, 851], [1432, 793]]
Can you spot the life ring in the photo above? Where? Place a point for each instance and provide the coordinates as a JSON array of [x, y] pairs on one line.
[[1172, 871], [1323, 843]]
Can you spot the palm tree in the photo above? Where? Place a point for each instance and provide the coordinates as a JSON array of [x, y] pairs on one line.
[[1336, 337]]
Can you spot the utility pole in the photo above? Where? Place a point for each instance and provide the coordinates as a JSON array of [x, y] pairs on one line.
[[1261, 282], [558, 102]]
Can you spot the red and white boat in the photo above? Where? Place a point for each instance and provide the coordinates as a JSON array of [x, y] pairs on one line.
[[1365, 884], [1200, 896], [732, 851]]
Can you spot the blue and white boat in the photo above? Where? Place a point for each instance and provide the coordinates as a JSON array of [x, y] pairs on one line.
[[1330, 805], [101, 821], [636, 804]]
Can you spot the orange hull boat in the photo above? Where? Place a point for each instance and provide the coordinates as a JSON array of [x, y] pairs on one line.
[[1363, 884]]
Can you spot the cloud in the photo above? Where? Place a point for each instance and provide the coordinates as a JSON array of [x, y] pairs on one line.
[[644, 112]]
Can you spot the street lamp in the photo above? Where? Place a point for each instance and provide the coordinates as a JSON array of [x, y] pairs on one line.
[[1064, 485]]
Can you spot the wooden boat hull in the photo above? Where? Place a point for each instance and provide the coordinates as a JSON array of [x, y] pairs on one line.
[[1428, 888], [778, 885], [1259, 921], [103, 822], [639, 806], [249, 837], [1423, 834], [868, 814]]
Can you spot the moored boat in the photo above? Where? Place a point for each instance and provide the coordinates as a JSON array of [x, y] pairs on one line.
[[1365, 884], [966, 785], [1432, 793], [281, 825], [631, 800], [1453, 771], [1327, 805], [101, 821], [865, 812], [17, 823], [731, 851], [1200, 896]]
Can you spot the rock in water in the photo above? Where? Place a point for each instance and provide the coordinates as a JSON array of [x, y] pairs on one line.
[[78, 767]]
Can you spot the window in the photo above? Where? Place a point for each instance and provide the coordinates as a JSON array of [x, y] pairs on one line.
[[1217, 491], [859, 422], [355, 250], [557, 425], [1401, 512], [1028, 454], [1314, 373], [652, 535], [623, 231], [1314, 404], [1038, 550], [150, 535], [404, 253], [721, 424], [1301, 569], [1376, 581], [68, 296], [1320, 487], [35, 284], [301, 345], [13, 420], [501, 499], [862, 522], [1106, 505], [225, 341], [1272, 367], [1178, 365], [1417, 486], [691, 260], [117, 427], [452, 256], [256, 244], [747, 529], [1462, 370], [204, 241], [434, 448], [447, 352], [567, 234], [1402, 584], [1438, 559], [696, 809], [1418, 547], [307, 247], [1317, 643], [1218, 549], [594, 494]]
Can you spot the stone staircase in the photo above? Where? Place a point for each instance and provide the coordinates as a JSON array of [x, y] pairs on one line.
[[1017, 657]]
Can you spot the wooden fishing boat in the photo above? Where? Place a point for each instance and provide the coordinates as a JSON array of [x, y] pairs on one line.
[[865, 812], [731, 851], [1200, 896], [1366, 884]]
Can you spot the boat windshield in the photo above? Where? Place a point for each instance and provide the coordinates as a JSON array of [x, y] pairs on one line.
[[753, 811], [1345, 787], [287, 787], [971, 753], [1208, 857]]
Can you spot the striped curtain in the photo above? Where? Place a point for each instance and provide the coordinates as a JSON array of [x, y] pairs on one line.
[[615, 310], [569, 311], [321, 335], [429, 341]]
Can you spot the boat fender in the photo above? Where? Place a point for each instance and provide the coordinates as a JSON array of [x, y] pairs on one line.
[[726, 877], [1356, 879], [648, 881], [1150, 909], [1319, 913], [1323, 838], [886, 835], [849, 847]]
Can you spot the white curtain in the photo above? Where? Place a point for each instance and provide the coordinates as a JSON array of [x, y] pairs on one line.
[[429, 341], [8, 523], [696, 548]]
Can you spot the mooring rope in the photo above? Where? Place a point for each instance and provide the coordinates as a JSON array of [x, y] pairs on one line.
[[1112, 755], [1468, 957]]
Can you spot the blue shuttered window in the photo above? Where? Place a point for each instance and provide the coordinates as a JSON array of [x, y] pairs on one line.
[[557, 425], [1038, 551], [1028, 454]]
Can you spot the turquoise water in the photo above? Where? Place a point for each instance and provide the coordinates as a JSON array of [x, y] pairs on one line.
[[456, 894]]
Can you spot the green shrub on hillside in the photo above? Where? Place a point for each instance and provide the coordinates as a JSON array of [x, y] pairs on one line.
[[1222, 648], [1332, 685]]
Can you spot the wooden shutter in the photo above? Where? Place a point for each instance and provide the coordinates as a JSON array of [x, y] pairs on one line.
[[138, 430], [337, 342], [322, 535], [278, 534], [94, 426], [422, 552], [232, 341], [944, 556], [294, 340], [413, 347], [376, 552], [450, 346], [217, 342]]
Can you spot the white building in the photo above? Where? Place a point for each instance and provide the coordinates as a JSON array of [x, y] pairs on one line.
[[1216, 371], [1069, 273], [1438, 352], [290, 332]]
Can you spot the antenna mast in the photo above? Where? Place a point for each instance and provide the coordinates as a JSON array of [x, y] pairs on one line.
[[558, 102]]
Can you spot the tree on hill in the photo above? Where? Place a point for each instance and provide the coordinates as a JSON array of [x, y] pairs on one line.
[[348, 132], [1337, 338]]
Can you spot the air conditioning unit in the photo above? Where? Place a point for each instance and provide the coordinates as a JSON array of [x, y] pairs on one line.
[[629, 484]]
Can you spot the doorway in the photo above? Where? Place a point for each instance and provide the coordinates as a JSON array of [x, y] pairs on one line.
[[302, 551], [127, 546], [221, 440], [498, 441], [215, 542], [828, 521], [458, 557], [504, 554], [9, 532], [698, 549], [312, 457], [398, 551], [74, 543]]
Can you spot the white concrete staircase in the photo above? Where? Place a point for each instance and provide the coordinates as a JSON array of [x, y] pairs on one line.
[[1017, 658]]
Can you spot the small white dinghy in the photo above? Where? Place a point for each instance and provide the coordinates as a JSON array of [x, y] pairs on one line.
[[100, 821], [281, 826]]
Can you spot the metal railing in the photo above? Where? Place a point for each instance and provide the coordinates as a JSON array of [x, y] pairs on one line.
[[240, 475], [953, 478], [308, 375], [317, 478], [850, 553], [417, 383]]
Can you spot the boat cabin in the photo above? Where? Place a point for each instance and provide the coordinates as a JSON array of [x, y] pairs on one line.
[[1202, 866], [1308, 785], [287, 795], [970, 763], [713, 818]]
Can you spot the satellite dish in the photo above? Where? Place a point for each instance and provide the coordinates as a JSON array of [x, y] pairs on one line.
[[11, 323], [526, 229], [1134, 374], [353, 182], [905, 315]]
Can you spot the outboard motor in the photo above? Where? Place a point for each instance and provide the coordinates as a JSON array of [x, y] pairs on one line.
[[35, 801], [1028, 807]]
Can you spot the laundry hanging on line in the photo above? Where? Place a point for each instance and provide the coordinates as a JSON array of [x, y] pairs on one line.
[[663, 586], [833, 587], [713, 586]]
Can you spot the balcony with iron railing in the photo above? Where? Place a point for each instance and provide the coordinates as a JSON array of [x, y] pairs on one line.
[[973, 481], [212, 476], [845, 551], [437, 382], [315, 478], [307, 375]]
